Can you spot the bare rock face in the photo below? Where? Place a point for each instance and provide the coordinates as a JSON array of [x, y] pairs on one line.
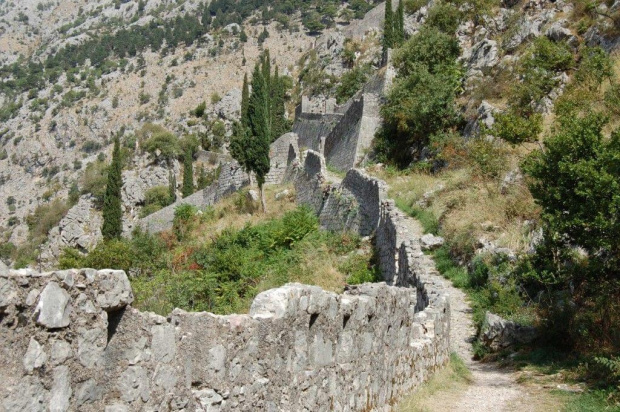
[[3, 268], [79, 229], [54, 307], [484, 55], [498, 333], [229, 108]]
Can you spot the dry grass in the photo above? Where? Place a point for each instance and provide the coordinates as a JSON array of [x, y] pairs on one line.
[[447, 383], [236, 212], [467, 206]]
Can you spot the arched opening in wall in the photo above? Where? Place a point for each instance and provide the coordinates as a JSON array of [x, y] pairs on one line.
[[292, 155], [345, 320], [114, 319]]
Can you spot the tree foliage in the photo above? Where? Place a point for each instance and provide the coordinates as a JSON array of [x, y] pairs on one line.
[[112, 203]]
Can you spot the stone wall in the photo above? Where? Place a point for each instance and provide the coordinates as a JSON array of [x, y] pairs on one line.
[[311, 127], [71, 342], [284, 157], [347, 144], [232, 178]]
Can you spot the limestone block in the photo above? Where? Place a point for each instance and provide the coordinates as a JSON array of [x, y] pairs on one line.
[[35, 356], [61, 390], [431, 242], [114, 290], [134, 385], [54, 307], [8, 293]]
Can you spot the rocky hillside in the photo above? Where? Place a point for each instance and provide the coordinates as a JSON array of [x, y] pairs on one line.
[[75, 74]]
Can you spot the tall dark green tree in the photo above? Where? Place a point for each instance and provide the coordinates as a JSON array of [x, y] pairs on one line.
[[112, 210], [266, 73], [188, 173], [279, 124], [172, 187], [257, 152], [399, 23], [245, 97], [388, 30]]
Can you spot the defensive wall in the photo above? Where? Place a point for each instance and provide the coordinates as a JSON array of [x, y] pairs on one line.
[[70, 340]]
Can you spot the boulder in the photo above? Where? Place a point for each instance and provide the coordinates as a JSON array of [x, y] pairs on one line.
[[498, 333], [252, 196], [229, 107], [431, 242], [54, 307], [557, 32]]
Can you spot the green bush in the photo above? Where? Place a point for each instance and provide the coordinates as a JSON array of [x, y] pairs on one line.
[[431, 48], [184, 218], [351, 82], [165, 143], [157, 195], [94, 180], [517, 129]]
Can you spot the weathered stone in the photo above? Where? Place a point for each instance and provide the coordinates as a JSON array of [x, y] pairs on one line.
[[208, 400], [61, 390], [28, 395], [8, 293], [54, 307], [31, 299], [35, 356], [252, 196], [431, 242], [4, 269], [134, 385], [282, 194], [114, 290], [91, 343], [88, 392], [60, 352], [498, 333], [163, 344]]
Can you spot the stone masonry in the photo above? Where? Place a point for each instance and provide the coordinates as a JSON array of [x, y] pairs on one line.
[[71, 340]]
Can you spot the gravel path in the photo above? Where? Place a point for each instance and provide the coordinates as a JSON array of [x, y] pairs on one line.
[[493, 389]]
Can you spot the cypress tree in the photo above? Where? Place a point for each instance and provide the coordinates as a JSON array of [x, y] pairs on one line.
[[245, 96], [257, 152], [400, 23], [188, 174], [172, 187], [278, 111], [266, 73], [388, 30], [112, 210]]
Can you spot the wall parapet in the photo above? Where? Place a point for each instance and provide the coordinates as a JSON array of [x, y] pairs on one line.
[[71, 340]]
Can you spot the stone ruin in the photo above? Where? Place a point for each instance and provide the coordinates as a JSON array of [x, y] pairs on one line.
[[72, 341]]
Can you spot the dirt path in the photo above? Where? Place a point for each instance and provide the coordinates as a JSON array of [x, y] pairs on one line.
[[493, 388]]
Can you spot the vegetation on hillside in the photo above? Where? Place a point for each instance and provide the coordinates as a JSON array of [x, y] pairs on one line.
[[565, 279], [194, 268]]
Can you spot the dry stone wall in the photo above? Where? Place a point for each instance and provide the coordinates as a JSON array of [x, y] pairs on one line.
[[70, 340], [283, 157], [232, 178]]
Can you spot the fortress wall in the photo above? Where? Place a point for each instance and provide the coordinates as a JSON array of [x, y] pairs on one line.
[[232, 178], [70, 340], [284, 156], [310, 127]]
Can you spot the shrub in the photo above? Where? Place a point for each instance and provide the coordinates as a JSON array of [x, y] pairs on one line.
[[158, 195], [184, 217], [517, 129], [165, 143], [199, 111], [352, 82], [94, 181]]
